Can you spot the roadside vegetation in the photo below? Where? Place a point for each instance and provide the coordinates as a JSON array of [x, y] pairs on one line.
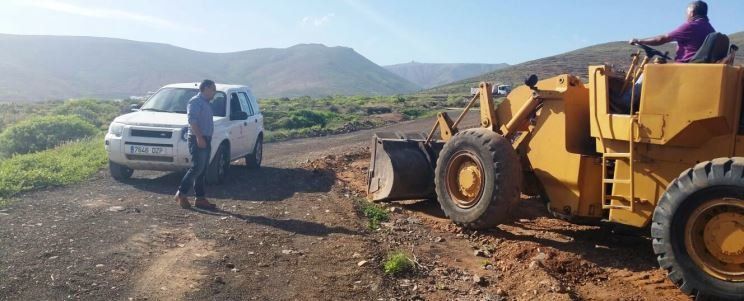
[[52, 143], [397, 263], [374, 214], [287, 118]]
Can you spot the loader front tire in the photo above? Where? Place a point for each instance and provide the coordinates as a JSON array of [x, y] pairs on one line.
[[697, 230], [478, 179]]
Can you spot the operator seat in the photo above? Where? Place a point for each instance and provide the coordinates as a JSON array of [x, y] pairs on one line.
[[715, 48]]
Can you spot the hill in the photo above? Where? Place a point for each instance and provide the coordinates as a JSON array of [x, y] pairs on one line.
[[431, 75], [39, 68], [574, 62]]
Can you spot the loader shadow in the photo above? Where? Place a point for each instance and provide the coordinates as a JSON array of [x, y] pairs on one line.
[[244, 184], [289, 225], [605, 245]]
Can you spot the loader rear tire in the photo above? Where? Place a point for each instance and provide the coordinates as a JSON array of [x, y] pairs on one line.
[[696, 230], [478, 179]]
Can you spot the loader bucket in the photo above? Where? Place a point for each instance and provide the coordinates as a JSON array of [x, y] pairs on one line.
[[402, 167]]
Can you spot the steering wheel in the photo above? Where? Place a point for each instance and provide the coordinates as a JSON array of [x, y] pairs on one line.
[[650, 52]]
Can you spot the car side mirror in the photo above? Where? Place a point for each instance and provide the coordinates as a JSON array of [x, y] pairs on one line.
[[239, 116], [134, 107]]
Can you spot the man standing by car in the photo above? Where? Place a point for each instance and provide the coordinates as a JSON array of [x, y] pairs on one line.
[[201, 127]]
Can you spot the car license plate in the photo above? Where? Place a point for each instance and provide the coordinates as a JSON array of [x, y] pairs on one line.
[[148, 150]]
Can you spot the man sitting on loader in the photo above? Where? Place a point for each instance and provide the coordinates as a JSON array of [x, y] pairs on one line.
[[689, 37]]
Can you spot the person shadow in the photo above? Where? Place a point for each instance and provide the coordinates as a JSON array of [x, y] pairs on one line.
[[296, 226], [244, 184]]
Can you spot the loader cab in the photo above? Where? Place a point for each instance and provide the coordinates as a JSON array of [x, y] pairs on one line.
[[688, 113]]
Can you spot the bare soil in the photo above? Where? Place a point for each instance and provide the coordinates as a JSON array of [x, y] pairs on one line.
[[292, 230]]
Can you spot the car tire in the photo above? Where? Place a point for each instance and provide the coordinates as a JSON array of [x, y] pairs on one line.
[[120, 172], [253, 160], [220, 165], [700, 199]]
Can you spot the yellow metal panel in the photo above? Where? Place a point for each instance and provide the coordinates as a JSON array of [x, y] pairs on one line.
[[696, 100]]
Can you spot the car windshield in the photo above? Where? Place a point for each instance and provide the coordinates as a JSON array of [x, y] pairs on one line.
[[175, 100]]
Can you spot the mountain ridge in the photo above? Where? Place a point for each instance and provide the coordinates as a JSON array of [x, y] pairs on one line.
[[47, 67]]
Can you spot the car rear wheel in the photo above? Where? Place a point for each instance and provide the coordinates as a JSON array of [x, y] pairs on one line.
[[253, 160]]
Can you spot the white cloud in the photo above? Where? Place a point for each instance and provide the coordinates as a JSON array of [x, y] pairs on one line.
[[106, 13], [317, 21]]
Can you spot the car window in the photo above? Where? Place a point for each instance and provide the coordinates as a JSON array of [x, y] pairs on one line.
[[246, 104], [235, 104], [172, 100], [218, 104]]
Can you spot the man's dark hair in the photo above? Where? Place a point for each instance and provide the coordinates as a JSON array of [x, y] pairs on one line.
[[699, 9], [207, 83]]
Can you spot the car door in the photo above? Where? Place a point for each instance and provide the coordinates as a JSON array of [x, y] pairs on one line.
[[251, 123], [238, 127]]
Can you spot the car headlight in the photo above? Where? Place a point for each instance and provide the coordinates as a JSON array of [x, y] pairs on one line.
[[116, 129], [184, 133]]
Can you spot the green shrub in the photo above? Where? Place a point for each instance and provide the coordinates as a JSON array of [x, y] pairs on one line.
[[41, 133], [97, 112], [67, 164], [397, 263], [374, 213]]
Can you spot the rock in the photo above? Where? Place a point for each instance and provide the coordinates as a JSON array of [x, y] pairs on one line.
[[500, 292], [438, 239], [413, 220], [477, 279], [356, 255], [362, 263], [235, 270], [231, 238], [287, 252], [230, 265], [541, 257], [395, 209], [480, 253], [116, 208], [535, 265], [99, 265]]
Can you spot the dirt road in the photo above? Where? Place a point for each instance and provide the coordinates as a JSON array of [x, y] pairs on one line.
[[290, 231]]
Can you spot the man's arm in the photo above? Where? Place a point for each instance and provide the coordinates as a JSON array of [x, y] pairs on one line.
[[653, 41], [191, 112]]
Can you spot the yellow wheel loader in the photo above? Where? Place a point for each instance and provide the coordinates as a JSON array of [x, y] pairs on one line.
[[673, 162]]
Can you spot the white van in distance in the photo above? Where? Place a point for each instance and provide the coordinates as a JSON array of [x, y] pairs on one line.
[[153, 137]]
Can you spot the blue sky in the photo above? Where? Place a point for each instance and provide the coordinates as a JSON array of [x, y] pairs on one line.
[[385, 31]]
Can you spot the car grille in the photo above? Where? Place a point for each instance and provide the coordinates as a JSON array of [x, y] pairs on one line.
[[151, 134], [149, 158]]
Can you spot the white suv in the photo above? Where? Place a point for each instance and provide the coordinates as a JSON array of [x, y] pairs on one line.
[[153, 137]]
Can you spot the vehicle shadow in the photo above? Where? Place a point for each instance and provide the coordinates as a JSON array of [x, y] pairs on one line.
[[289, 225], [244, 184], [606, 245]]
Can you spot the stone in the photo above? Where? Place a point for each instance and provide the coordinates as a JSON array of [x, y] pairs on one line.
[[230, 265], [438, 239], [356, 255], [362, 263], [116, 208], [480, 253], [395, 209], [477, 279]]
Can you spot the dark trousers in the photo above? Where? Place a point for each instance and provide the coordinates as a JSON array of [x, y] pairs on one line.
[[197, 174]]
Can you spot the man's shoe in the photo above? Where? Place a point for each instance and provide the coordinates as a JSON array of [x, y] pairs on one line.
[[202, 203], [182, 200]]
